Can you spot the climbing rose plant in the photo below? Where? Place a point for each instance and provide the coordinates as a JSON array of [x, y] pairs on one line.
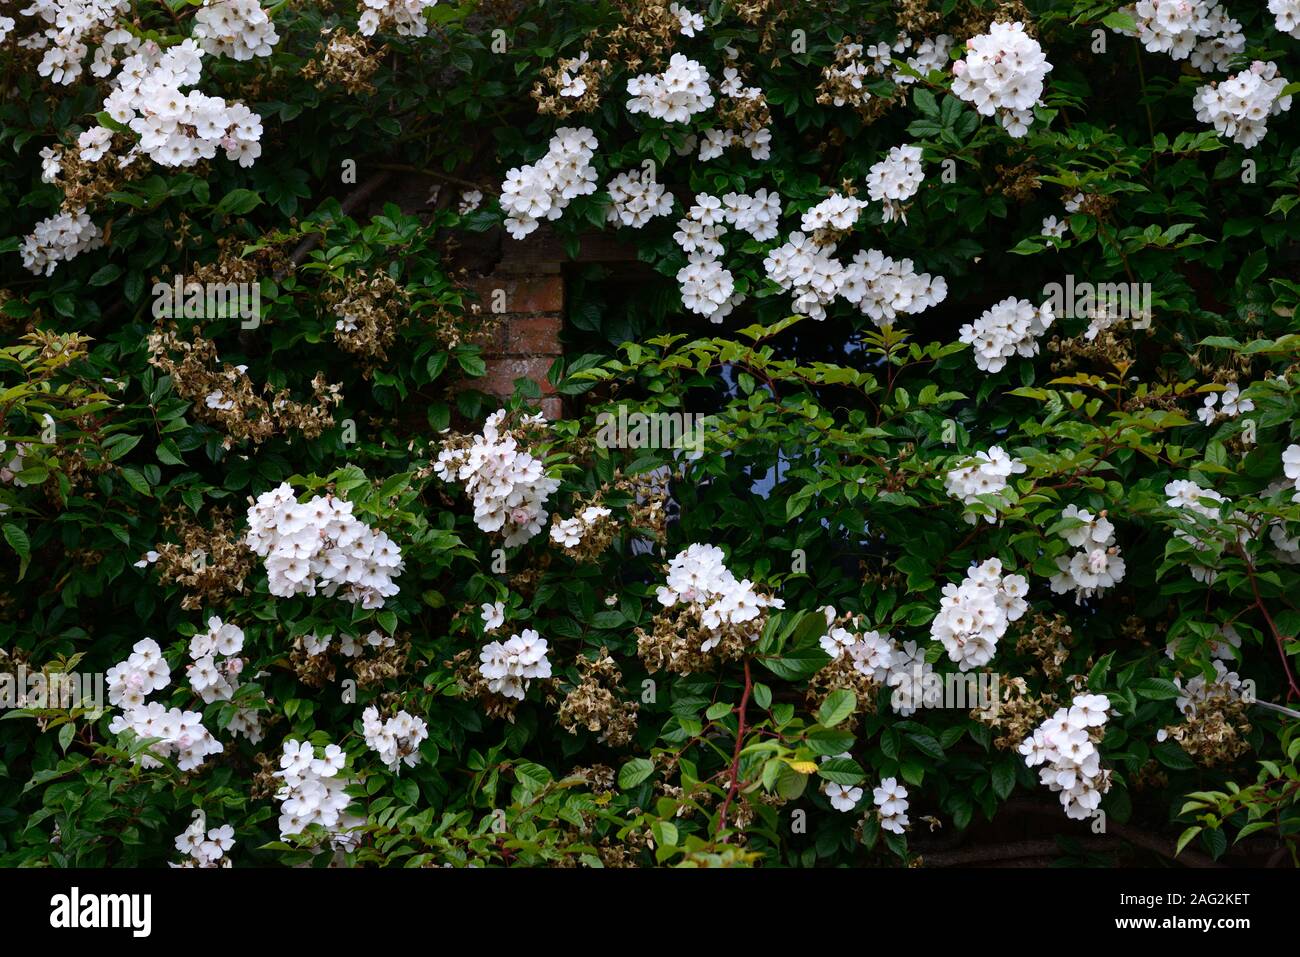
[[939, 462]]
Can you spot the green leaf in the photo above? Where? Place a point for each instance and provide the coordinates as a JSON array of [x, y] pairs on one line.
[[1215, 841], [665, 833], [1004, 778], [841, 771], [926, 743], [790, 784], [18, 541], [473, 365], [1156, 689], [137, 481], [829, 741], [839, 704], [237, 202], [105, 275], [634, 772], [1186, 838], [719, 709], [532, 776], [407, 790], [797, 665], [436, 364], [797, 503], [1120, 21], [1172, 756]]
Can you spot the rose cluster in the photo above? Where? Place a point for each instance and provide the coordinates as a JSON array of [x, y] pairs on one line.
[[181, 733], [209, 679], [754, 136], [179, 129], [809, 271], [975, 614], [406, 17], [757, 215], [543, 189], [987, 475], [890, 799], [511, 665], [68, 25], [1233, 405], [1097, 564], [707, 286], [699, 577], [884, 288], [875, 655], [845, 79], [508, 486], [1003, 72], [1012, 326], [1225, 684], [836, 213], [1200, 526], [895, 179], [1183, 28], [396, 739], [60, 238], [239, 29], [674, 95], [636, 198], [205, 851], [569, 532], [1065, 745], [1239, 107], [320, 544], [313, 792], [881, 287]]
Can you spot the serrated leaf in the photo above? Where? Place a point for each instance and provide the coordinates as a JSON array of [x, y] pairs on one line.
[[634, 772], [839, 704]]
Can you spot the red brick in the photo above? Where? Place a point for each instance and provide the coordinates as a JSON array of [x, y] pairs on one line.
[[532, 335], [524, 295], [528, 337], [502, 373], [498, 344]]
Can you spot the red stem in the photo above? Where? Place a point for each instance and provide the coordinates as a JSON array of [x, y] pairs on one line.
[[1294, 691], [735, 757]]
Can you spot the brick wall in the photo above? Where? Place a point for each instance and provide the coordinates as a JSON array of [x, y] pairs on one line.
[[530, 312], [519, 282]]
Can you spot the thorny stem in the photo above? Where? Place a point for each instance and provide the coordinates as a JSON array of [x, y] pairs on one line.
[[735, 757]]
